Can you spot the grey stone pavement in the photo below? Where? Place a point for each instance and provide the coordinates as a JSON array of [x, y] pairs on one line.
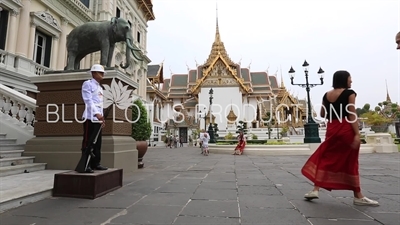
[[180, 186]]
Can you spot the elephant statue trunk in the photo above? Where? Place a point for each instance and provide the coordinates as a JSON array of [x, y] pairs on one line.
[[133, 49], [128, 56]]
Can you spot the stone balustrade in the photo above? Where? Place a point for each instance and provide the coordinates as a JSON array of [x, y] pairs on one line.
[[17, 107], [20, 65]]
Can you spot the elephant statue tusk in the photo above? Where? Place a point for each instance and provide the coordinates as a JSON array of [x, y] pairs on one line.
[[134, 49], [129, 43], [140, 58], [122, 65]]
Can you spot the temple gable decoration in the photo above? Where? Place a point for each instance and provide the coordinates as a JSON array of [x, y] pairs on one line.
[[219, 69]]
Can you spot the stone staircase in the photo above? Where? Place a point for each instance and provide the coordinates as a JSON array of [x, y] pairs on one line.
[[21, 180]]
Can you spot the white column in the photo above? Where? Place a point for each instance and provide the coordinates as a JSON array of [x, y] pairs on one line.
[[62, 44], [145, 41], [87, 62], [31, 42], [54, 54], [22, 47], [12, 32]]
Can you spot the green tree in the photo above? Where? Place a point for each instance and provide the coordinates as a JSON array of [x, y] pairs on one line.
[[373, 118], [269, 121], [215, 128], [141, 128], [366, 108], [391, 111], [242, 127]]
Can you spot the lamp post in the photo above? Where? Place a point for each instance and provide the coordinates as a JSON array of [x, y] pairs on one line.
[[201, 117], [210, 128], [311, 127]]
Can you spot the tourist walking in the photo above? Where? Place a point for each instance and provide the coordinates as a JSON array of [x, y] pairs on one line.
[[334, 165], [202, 132], [205, 139], [181, 142], [241, 144]]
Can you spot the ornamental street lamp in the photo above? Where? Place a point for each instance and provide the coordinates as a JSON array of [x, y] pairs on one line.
[[311, 127], [203, 117], [210, 127]]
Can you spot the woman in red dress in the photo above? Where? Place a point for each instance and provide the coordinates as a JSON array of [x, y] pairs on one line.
[[240, 146], [334, 165]]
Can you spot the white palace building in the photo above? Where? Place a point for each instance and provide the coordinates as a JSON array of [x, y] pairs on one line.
[[181, 106]]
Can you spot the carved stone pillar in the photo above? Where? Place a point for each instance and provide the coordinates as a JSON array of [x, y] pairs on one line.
[[87, 62], [54, 53], [23, 28], [12, 33], [62, 45], [31, 42]]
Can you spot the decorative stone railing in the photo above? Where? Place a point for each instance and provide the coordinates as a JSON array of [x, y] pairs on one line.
[[17, 107], [20, 64]]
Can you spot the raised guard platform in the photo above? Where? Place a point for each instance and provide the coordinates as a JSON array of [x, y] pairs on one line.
[[87, 185]]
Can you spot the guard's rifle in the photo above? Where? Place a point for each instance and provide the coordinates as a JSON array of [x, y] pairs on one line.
[[87, 152]]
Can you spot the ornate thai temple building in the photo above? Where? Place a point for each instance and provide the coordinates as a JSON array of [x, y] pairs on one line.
[[182, 103]]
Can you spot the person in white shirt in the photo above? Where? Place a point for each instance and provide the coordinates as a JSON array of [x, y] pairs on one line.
[[92, 94], [205, 139], [200, 139]]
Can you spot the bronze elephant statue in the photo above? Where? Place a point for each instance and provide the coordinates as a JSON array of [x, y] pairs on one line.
[[100, 36]]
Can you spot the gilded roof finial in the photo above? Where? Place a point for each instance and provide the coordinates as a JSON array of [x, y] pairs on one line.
[[217, 36], [187, 66], [218, 47], [282, 84], [387, 93]]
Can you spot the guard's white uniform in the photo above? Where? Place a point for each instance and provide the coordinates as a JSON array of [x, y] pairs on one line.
[[92, 94]]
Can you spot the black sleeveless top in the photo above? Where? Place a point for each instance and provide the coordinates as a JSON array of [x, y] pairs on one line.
[[338, 109]]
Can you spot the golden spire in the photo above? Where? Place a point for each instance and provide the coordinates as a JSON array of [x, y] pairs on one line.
[[387, 93], [218, 48], [282, 84]]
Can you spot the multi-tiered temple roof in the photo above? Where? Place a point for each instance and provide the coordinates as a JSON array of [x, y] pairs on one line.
[[188, 85], [219, 70]]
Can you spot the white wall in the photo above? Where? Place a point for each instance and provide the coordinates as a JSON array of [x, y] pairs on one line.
[[249, 110], [223, 98], [166, 112]]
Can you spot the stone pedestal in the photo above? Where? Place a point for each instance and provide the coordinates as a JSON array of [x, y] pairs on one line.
[[59, 133], [87, 185], [382, 142]]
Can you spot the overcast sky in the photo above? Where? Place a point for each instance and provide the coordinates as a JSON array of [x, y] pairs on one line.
[[353, 35]]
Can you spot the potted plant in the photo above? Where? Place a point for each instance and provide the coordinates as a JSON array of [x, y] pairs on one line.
[[229, 136], [378, 122], [284, 131], [141, 129]]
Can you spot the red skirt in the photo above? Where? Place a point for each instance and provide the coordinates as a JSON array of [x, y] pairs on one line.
[[240, 146], [334, 165]]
